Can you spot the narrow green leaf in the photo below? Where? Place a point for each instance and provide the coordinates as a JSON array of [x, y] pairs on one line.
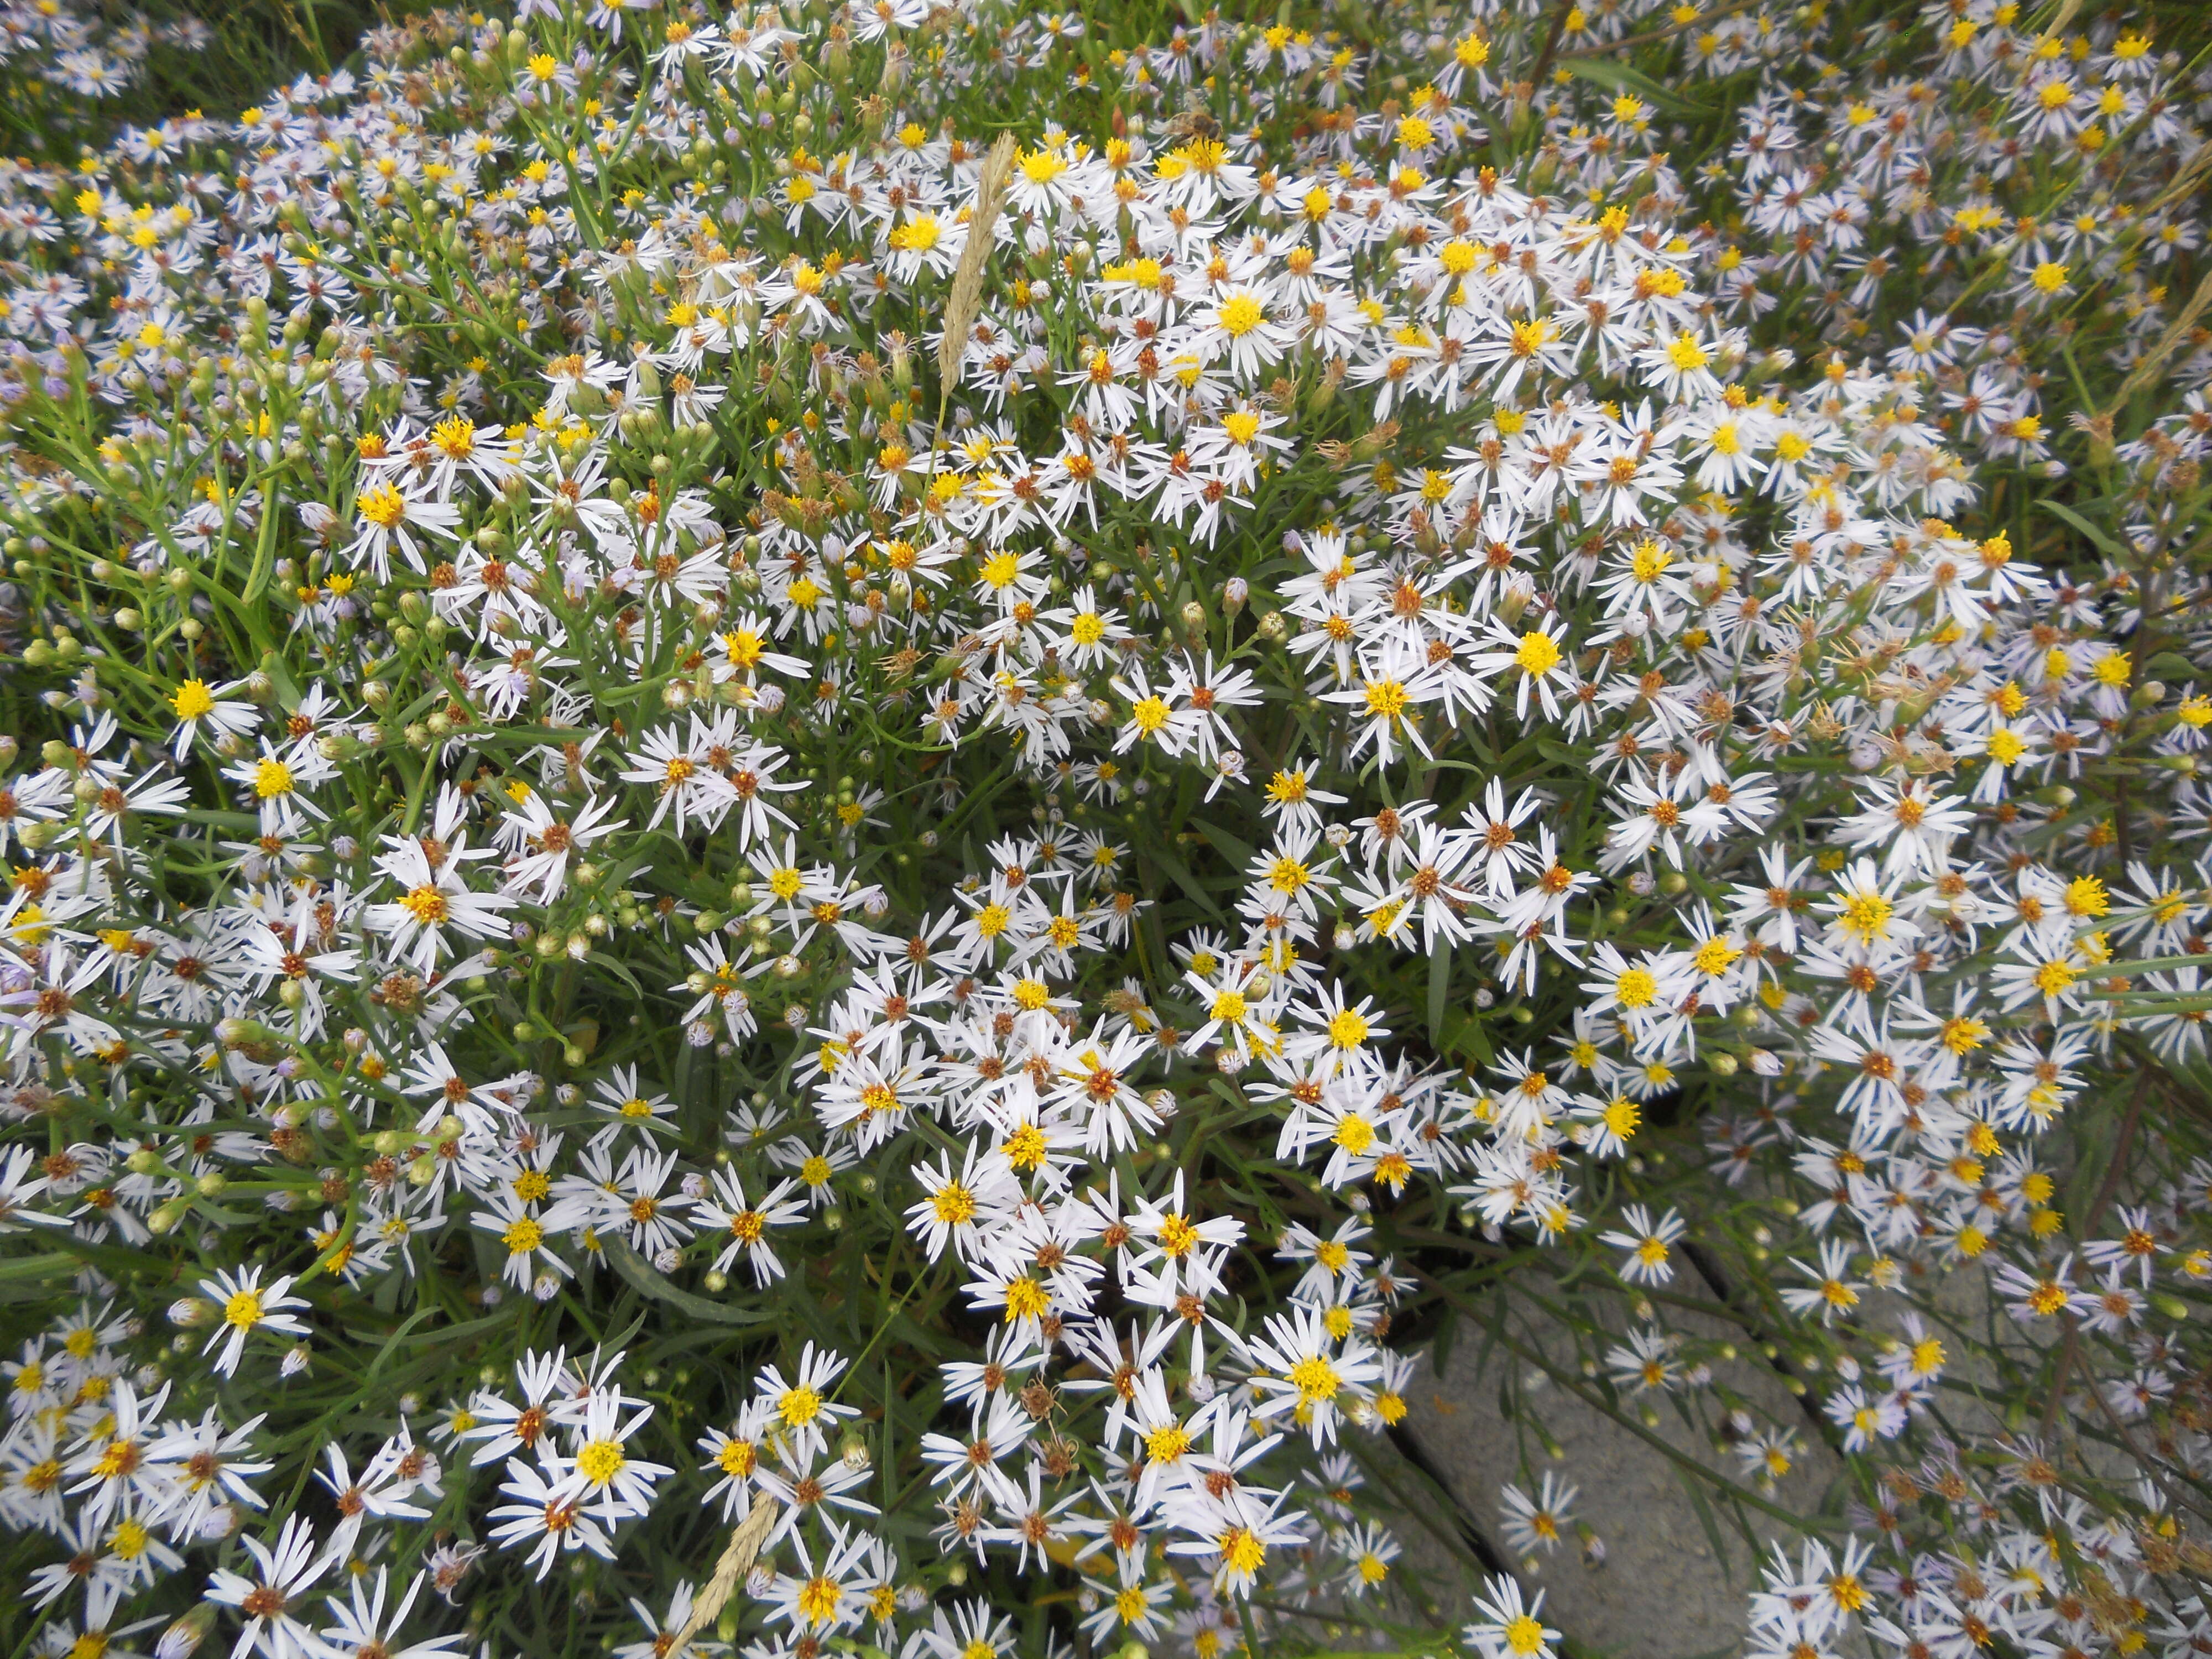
[[1179, 872], [1464, 1036], [25, 1279], [1238, 851], [2103, 543], [636, 1273], [36, 1267], [1440, 1346], [1621, 78]]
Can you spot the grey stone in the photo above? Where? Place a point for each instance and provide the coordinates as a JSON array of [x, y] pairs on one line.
[[1662, 1589]]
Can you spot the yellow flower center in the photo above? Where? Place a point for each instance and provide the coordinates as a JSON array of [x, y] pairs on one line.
[[798, 1407], [1524, 1636], [1316, 1380], [953, 1204], [1386, 699], [382, 506], [1636, 988], [1241, 1550], [817, 1600], [426, 904], [1166, 1445], [601, 1460], [1042, 166], [1539, 654], [1714, 957], [1865, 917], [1025, 1148], [1240, 314], [1025, 1299], [918, 234]]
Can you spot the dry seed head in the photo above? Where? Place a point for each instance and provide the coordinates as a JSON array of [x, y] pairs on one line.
[[964, 301]]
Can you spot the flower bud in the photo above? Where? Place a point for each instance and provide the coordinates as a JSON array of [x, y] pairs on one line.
[[187, 1313], [184, 1636]]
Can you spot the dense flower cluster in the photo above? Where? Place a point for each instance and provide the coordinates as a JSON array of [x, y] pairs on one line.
[[737, 801]]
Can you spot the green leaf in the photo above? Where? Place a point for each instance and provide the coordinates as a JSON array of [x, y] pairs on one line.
[[1179, 872], [1621, 78], [635, 1272], [36, 1267], [23, 1278], [1440, 963], [1240, 1109], [2103, 543], [1705, 1517], [1559, 755], [1236, 850], [2094, 1139], [1464, 1036], [1440, 1346]]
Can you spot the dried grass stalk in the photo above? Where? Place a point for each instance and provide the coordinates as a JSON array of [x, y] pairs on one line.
[[2147, 371], [966, 298], [737, 1557]]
